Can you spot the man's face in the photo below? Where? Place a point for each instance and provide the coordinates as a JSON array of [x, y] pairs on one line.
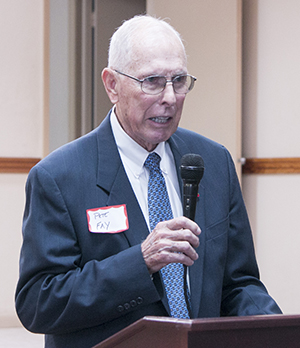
[[151, 119]]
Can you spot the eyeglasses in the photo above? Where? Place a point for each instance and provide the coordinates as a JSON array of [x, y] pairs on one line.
[[155, 84]]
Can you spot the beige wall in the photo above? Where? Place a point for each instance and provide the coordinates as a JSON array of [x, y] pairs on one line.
[[21, 130], [21, 83], [271, 125]]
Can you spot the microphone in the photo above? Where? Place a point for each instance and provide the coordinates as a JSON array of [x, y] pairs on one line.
[[191, 171]]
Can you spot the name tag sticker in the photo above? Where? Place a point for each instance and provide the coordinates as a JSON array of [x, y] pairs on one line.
[[111, 219]]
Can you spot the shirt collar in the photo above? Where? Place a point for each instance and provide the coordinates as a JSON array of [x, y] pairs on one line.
[[132, 151]]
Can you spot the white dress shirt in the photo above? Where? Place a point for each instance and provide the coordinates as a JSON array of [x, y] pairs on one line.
[[133, 157]]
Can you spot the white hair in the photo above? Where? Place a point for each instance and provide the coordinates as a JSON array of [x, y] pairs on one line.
[[123, 40]]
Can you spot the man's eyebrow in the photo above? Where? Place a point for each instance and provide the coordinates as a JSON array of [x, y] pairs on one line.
[[144, 76]]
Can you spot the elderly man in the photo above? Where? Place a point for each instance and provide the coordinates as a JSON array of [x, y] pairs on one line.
[[105, 242]]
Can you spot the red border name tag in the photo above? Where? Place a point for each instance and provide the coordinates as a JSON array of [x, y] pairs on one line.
[[111, 219]]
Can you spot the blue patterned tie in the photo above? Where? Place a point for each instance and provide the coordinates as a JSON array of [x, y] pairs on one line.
[[160, 210]]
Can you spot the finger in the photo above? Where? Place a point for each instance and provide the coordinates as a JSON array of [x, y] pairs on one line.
[[179, 249], [184, 235], [161, 232], [167, 255], [165, 251], [183, 223]]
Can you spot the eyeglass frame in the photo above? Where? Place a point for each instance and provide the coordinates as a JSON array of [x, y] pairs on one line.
[[194, 79]]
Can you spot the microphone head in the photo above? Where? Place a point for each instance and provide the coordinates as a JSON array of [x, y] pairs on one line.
[[192, 168]]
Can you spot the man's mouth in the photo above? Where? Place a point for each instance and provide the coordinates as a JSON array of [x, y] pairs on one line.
[[160, 119]]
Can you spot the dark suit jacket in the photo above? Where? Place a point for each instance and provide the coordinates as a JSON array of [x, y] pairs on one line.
[[79, 287]]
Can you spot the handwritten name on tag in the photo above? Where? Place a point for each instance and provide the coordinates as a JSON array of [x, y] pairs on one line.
[[111, 219]]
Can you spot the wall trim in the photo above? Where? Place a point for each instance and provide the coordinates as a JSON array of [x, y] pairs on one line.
[[17, 164], [289, 165]]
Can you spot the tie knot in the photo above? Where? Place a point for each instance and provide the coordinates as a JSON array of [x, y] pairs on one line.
[[152, 161]]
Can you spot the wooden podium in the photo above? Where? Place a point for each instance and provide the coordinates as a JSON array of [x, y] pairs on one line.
[[266, 331]]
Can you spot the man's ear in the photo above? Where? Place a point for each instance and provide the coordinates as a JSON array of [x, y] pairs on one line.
[[110, 81]]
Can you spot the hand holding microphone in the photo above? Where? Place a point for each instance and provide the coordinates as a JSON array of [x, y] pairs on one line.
[[174, 241]]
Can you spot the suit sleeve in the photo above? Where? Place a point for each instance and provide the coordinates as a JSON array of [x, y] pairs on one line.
[[243, 292], [55, 292]]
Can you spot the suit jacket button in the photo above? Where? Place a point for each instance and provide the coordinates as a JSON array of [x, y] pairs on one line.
[[126, 306], [139, 300], [120, 308], [133, 303]]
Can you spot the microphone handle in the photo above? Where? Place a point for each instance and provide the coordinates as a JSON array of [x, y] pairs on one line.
[[190, 193], [185, 289]]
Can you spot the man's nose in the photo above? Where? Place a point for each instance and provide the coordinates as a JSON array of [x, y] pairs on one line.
[[169, 95]]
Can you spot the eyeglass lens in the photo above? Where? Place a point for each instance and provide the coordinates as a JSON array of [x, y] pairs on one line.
[[156, 84]]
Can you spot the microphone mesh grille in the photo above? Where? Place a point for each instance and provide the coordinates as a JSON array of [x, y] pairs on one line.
[[192, 167]]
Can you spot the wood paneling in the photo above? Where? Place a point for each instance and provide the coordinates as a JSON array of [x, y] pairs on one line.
[[272, 165], [17, 165], [251, 166]]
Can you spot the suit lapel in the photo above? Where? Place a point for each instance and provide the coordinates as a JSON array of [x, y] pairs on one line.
[[179, 149], [112, 178]]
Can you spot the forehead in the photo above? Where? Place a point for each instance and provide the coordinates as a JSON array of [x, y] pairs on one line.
[[160, 51]]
